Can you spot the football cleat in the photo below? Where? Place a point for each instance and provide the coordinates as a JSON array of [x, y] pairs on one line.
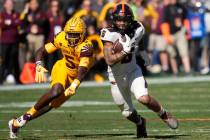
[[141, 131], [12, 130], [169, 120]]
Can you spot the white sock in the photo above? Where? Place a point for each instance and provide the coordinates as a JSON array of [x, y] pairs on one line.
[[21, 121]]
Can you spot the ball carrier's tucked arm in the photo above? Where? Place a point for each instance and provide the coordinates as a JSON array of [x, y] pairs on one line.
[[112, 58]]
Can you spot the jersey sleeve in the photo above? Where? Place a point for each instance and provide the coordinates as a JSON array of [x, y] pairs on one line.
[[86, 55], [50, 48], [53, 46]]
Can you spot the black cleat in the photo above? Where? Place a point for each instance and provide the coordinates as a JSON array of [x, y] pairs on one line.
[[141, 131]]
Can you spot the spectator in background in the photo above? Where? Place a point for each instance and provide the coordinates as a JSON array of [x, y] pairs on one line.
[[98, 5], [156, 40], [35, 24], [22, 37], [105, 14], [197, 33], [99, 67], [72, 8], [145, 13], [9, 22], [206, 53], [56, 21], [90, 18], [136, 6], [86, 13], [174, 33]]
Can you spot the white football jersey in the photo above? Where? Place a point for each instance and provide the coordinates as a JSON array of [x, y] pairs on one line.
[[128, 64]]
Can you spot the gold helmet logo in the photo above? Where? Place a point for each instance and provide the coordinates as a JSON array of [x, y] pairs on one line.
[[75, 31]]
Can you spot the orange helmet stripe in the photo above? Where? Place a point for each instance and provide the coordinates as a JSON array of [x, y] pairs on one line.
[[123, 7]]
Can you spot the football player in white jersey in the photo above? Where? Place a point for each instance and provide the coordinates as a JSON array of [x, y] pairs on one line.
[[124, 74]]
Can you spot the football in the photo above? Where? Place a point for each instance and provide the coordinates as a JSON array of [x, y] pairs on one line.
[[117, 46]]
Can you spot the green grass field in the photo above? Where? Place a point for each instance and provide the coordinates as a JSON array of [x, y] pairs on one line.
[[91, 114]]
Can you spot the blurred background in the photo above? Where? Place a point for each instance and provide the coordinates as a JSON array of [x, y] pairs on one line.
[[26, 25]]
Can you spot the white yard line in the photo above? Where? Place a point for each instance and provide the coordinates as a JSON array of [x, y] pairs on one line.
[[66, 104], [89, 103], [109, 111], [168, 80]]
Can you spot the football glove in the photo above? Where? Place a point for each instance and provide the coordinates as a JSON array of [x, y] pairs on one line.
[[40, 73], [72, 88], [126, 44]]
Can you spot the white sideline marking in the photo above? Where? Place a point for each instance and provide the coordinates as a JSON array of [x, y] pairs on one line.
[[168, 80], [115, 130]]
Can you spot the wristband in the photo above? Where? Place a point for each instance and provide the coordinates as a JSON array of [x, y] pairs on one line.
[[38, 62], [75, 83]]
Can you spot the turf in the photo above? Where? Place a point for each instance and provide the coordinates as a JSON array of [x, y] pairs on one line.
[[91, 114]]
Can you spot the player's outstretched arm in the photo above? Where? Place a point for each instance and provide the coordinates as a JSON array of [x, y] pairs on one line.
[[40, 54], [40, 70], [71, 90]]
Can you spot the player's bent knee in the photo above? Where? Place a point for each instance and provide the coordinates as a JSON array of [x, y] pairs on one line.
[[57, 90], [145, 99]]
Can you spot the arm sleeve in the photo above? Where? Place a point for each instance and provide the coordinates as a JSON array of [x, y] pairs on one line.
[[51, 47]]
